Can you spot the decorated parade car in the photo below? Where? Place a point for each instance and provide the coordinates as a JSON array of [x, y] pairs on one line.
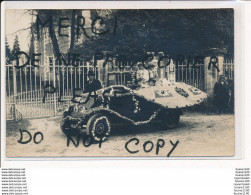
[[95, 113]]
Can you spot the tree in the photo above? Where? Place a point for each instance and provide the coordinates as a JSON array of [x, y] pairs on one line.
[[16, 48], [186, 32], [49, 20], [7, 52], [132, 33]]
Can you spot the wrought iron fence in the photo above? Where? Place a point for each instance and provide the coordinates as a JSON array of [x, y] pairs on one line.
[[193, 74], [228, 68], [25, 91], [26, 98]]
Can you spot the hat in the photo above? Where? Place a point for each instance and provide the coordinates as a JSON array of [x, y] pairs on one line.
[[91, 73]]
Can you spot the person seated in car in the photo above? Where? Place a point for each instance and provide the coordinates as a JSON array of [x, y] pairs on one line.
[[90, 97], [153, 74], [93, 84], [142, 75]]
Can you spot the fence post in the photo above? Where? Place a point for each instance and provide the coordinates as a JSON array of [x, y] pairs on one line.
[[211, 74], [14, 90], [54, 84], [209, 77], [171, 72], [220, 64]]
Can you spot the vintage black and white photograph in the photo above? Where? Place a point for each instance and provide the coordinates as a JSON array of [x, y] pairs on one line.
[[119, 82]]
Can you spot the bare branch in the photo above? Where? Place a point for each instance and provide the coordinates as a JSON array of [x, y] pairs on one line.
[[23, 29], [19, 31]]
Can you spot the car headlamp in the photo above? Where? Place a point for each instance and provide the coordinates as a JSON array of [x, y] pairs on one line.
[[75, 108], [81, 109]]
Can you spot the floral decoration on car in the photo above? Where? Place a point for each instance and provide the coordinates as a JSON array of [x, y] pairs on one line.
[[181, 92], [163, 93]]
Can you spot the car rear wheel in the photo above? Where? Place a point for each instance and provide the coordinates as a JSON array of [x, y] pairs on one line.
[[171, 120], [166, 120], [98, 127]]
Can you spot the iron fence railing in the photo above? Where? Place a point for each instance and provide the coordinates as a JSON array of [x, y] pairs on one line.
[[25, 86]]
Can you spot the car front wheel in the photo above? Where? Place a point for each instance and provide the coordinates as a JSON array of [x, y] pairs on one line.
[[68, 129], [98, 127]]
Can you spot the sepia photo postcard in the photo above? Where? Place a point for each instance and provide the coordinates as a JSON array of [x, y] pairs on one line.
[[119, 82]]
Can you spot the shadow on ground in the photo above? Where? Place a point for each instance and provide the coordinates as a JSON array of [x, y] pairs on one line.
[[12, 127]]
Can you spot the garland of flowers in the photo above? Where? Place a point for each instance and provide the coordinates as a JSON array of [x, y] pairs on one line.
[[101, 108], [136, 103]]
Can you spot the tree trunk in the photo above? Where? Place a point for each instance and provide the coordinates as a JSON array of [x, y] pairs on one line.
[[72, 29], [54, 38]]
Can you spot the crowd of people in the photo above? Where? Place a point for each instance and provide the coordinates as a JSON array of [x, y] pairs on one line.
[[224, 95]]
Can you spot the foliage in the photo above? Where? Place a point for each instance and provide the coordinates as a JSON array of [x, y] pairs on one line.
[[7, 52], [186, 32], [16, 48], [135, 32]]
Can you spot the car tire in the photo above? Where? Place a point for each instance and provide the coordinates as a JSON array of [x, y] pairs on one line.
[[68, 130], [98, 127], [166, 120], [171, 121]]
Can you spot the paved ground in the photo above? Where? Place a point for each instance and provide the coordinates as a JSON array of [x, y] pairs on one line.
[[198, 135]]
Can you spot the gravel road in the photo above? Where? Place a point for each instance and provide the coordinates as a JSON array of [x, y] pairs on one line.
[[196, 135]]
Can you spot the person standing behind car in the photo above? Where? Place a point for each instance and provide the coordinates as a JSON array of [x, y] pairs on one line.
[[221, 95], [231, 100], [92, 86]]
